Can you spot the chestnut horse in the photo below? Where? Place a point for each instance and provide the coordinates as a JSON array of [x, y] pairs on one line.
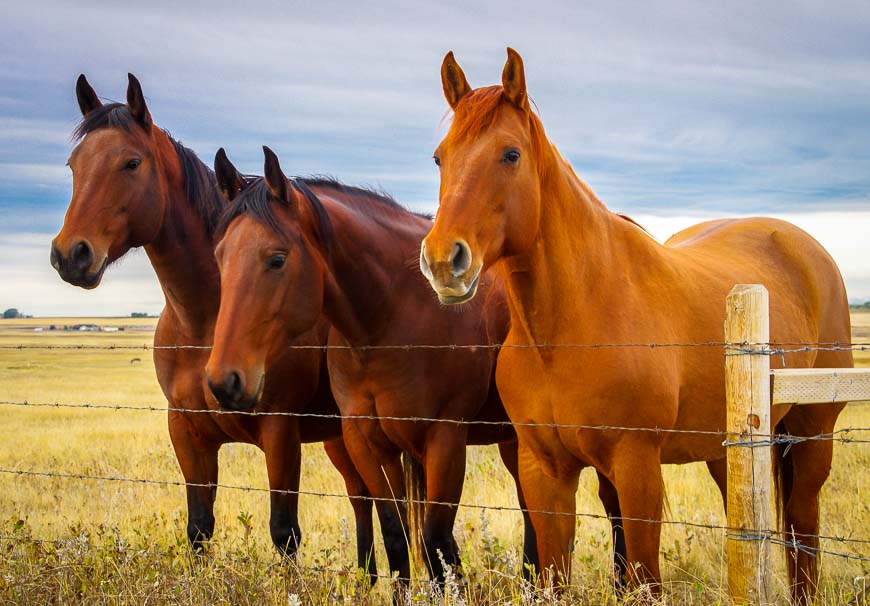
[[576, 273], [295, 250], [134, 185]]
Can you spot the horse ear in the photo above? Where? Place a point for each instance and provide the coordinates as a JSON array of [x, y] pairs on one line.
[[229, 179], [275, 178], [513, 80], [136, 102], [453, 80], [86, 96]]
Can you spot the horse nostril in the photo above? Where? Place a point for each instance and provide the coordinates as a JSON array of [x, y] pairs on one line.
[[424, 262], [234, 383], [55, 256], [82, 256], [460, 259]]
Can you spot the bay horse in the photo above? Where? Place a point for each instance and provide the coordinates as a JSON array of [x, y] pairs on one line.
[[577, 273], [136, 186], [294, 250]]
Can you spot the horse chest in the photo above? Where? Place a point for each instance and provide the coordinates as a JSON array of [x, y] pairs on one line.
[[566, 399]]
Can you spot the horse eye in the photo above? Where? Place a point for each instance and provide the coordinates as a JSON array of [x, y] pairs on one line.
[[133, 164], [437, 160], [511, 156], [276, 261]]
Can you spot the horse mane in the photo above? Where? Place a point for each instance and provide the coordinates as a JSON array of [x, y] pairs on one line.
[[633, 222], [476, 112], [200, 185], [255, 200], [382, 198]]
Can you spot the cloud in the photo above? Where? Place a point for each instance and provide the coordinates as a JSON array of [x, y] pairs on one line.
[[668, 109], [843, 234], [31, 284]]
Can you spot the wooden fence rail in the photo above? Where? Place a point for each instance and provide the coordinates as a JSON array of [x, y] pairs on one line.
[[751, 390]]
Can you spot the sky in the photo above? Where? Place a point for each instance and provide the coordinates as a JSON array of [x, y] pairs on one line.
[[673, 112]]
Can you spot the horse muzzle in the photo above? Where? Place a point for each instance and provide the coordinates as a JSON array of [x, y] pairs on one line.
[[76, 266], [229, 391], [454, 280]]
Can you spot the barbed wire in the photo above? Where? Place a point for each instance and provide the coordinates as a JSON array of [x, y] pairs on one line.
[[773, 348], [838, 435], [790, 540], [736, 533]]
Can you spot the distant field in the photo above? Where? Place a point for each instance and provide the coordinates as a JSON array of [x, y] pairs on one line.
[[29, 323], [125, 542]]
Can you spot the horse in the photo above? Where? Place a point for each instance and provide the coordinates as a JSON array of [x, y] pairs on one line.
[[295, 250], [578, 274], [136, 186]]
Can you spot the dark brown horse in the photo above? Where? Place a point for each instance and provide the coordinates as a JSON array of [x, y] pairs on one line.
[[578, 274], [133, 185], [295, 250]]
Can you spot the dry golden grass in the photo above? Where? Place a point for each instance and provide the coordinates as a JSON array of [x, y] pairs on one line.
[[121, 542]]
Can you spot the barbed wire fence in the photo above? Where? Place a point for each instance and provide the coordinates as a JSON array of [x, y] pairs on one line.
[[797, 541]]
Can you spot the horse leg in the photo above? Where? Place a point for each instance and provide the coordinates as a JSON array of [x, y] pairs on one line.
[[552, 507], [362, 506], [719, 471], [283, 448], [445, 473], [531, 564], [381, 469], [637, 476], [807, 466], [198, 460], [610, 500]]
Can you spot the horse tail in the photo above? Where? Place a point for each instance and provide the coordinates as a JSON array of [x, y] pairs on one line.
[[783, 483], [415, 489]]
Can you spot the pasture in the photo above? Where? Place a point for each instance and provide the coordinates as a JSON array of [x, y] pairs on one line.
[[70, 540]]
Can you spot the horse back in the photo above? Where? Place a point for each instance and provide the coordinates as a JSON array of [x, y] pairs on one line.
[[800, 275]]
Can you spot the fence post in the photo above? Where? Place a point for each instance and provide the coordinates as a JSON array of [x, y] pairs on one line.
[[747, 391]]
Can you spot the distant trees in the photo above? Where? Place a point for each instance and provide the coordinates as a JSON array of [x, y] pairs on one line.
[[11, 313], [139, 314]]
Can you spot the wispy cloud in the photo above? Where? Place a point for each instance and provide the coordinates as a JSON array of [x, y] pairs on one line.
[[669, 109]]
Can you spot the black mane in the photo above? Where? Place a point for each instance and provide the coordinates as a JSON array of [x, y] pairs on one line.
[[256, 200], [200, 184], [110, 115], [384, 198]]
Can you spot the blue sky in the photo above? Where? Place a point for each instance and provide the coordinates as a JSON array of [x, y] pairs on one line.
[[672, 112]]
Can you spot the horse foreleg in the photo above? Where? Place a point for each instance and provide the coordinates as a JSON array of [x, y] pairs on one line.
[[198, 460], [283, 449], [445, 473], [362, 506], [637, 476], [381, 469], [552, 507], [531, 564]]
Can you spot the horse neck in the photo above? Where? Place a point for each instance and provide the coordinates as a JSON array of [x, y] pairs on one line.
[[182, 253], [582, 252], [370, 264]]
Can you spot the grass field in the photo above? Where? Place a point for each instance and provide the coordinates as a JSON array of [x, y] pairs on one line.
[[120, 542]]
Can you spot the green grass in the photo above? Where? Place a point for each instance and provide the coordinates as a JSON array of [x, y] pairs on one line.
[[125, 542]]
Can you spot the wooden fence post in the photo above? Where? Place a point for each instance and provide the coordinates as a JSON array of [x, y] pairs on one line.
[[747, 390]]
